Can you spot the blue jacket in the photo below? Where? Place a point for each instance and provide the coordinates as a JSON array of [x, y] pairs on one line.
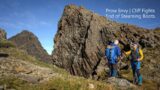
[[112, 53]]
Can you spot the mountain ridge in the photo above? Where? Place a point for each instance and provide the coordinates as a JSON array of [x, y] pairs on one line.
[[26, 40]]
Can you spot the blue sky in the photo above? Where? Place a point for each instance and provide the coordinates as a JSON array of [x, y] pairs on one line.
[[41, 16]]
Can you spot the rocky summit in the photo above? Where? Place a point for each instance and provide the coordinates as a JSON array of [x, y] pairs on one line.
[[82, 37], [28, 41]]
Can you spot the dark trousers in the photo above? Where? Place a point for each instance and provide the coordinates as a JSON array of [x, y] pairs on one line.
[[113, 69], [136, 72]]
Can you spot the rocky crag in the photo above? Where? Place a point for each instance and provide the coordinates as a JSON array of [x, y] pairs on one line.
[[82, 37]]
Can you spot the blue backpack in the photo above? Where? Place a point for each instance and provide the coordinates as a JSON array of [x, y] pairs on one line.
[[111, 54]]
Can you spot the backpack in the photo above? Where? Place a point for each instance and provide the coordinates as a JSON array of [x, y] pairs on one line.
[[111, 54]]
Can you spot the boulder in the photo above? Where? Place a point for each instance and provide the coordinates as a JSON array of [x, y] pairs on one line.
[[82, 36]]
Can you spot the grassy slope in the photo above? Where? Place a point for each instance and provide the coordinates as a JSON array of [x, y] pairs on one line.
[[147, 84], [62, 81]]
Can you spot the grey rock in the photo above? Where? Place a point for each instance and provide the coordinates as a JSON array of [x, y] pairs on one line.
[[82, 37], [121, 84], [1, 87]]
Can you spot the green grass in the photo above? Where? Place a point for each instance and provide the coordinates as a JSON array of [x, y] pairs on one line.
[[147, 84], [5, 43], [62, 81], [67, 82], [22, 55], [11, 82]]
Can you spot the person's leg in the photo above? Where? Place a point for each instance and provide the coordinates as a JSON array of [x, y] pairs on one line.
[[114, 70], [138, 73], [139, 77], [110, 69], [134, 72]]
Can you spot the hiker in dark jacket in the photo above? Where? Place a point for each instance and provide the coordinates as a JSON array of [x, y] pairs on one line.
[[136, 55], [112, 53]]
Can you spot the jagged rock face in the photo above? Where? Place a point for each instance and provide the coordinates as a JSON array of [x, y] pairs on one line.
[[3, 34], [82, 38], [29, 42]]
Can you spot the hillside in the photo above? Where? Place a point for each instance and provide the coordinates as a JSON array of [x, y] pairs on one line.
[[20, 71], [28, 41]]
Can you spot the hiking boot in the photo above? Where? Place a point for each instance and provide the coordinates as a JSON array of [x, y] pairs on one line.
[[140, 80]]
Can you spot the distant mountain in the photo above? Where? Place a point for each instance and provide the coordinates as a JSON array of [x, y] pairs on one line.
[[82, 37], [28, 41]]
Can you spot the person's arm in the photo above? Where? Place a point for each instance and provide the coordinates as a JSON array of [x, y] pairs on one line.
[[128, 53], [118, 51], [106, 53], [141, 55]]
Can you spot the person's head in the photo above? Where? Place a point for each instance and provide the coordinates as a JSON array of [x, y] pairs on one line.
[[135, 46], [109, 42], [116, 42]]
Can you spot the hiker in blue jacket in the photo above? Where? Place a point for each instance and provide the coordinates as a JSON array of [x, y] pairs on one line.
[[112, 54]]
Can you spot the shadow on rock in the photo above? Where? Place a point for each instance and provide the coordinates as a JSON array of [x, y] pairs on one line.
[[4, 55]]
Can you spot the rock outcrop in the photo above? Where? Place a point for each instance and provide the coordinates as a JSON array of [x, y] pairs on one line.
[[82, 37], [3, 34], [28, 41]]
